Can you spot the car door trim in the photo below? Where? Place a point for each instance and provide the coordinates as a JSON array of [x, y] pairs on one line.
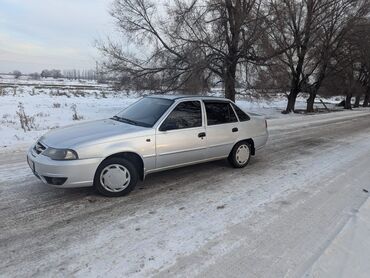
[[182, 151], [223, 144], [184, 164]]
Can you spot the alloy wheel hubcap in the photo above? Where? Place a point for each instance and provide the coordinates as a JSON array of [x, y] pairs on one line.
[[115, 178], [242, 154]]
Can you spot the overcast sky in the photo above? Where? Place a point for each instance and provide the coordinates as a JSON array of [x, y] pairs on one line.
[[38, 34]]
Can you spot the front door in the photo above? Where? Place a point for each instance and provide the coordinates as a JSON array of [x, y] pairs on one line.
[[181, 138]]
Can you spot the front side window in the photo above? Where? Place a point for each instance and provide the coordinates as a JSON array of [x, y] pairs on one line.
[[187, 114], [219, 113], [145, 112]]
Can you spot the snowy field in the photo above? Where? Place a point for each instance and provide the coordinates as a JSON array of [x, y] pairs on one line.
[[46, 108], [26, 80], [51, 109]]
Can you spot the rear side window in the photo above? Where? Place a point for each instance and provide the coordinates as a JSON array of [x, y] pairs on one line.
[[187, 114], [241, 114], [219, 113]]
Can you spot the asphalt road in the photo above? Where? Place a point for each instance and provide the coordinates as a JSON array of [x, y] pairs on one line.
[[271, 219]]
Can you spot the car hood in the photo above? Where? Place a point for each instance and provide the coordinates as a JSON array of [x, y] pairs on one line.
[[89, 132]]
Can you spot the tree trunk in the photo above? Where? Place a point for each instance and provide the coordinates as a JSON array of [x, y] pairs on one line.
[[296, 83], [294, 91], [348, 104], [291, 101], [357, 102], [230, 81], [315, 89], [366, 99], [311, 102]]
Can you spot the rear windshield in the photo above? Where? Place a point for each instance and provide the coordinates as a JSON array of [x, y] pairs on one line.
[[145, 112]]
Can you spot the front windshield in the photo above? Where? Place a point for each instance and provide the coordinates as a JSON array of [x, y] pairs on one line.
[[145, 112]]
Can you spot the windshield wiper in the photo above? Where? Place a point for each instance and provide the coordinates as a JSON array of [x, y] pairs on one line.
[[116, 118], [124, 120]]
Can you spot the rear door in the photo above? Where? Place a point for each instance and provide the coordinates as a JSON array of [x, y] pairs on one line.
[[180, 138], [222, 128]]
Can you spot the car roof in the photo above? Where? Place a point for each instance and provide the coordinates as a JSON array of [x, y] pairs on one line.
[[175, 97]]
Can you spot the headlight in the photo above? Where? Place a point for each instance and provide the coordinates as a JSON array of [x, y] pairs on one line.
[[60, 154]]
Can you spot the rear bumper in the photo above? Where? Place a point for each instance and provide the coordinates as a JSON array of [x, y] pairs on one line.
[[63, 174], [260, 141]]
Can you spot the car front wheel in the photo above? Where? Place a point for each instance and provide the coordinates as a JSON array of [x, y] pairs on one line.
[[115, 177], [240, 155]]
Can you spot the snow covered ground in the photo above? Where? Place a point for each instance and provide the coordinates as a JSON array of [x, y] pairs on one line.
[[273, 218], [26, 80], [348, 253]]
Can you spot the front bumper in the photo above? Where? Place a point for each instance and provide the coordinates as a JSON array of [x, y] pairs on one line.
[[63, 174]]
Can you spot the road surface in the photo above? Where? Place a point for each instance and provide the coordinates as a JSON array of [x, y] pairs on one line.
[[274, 218]]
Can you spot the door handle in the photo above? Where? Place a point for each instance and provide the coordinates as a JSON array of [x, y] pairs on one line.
[[235, 129], [202, 134]]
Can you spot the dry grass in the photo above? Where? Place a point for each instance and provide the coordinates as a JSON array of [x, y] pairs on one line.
[[27, 122], [76, 116]]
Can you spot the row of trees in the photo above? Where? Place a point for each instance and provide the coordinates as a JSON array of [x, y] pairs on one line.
[[70, 74], [311, 46], [55, 73], [77, 74]]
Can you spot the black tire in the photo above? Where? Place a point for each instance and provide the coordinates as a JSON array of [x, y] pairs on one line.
[[128, 165], [233, 157]]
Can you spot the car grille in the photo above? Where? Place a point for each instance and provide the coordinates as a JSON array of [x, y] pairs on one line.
[[39, 148]]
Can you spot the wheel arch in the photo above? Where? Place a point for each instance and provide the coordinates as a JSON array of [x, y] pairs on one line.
[[250, 142], [131, 156]]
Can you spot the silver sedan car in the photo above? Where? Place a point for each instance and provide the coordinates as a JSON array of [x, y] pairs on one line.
[[155, 133]]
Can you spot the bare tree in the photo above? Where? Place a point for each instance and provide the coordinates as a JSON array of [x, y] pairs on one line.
[[340, 17], [17, 74], [346, 71], [363, 42], [296, 22], [35, 75], [314, 27], [54, 73], [212, 37]]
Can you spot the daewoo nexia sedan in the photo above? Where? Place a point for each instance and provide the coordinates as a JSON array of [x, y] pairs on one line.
[[155, 133]]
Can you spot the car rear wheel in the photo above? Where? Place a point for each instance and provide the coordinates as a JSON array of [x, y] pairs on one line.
[[240, 155], [115, 177]]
